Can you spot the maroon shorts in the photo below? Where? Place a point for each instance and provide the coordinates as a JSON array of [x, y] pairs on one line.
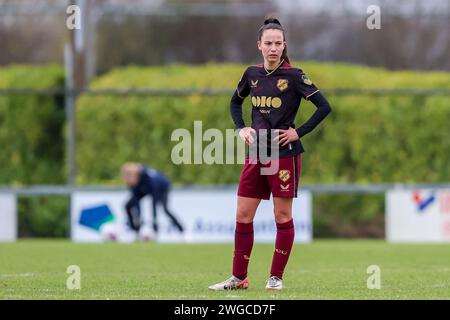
[[282, 182]]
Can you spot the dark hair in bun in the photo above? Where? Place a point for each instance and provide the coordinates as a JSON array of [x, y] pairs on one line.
[[272, 20]]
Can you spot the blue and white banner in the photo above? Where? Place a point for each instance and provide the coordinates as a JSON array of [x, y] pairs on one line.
[[418, 216], [207, 216]]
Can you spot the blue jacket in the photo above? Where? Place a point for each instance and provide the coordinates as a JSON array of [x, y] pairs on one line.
[[151, 182]]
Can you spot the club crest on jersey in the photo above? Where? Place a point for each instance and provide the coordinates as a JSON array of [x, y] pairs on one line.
[[284, 175], [254, 83], [306, 80], [282, 84]]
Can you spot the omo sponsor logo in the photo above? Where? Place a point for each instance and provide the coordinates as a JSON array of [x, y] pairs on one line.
[[264, 101]]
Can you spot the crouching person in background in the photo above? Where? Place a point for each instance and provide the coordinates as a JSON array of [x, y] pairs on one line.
[[143, 181]]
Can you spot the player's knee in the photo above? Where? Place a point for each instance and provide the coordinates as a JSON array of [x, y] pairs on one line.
[[244, 216], [283, 215]]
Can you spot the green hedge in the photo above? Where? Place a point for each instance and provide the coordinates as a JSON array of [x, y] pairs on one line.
[[32, 146], [365, 140], [31, 127], [46, 216]]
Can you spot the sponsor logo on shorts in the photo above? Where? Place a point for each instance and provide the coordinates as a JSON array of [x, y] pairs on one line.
[[284, 188], [284, 175]]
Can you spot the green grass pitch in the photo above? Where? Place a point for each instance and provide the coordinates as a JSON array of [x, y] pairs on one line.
[[323, 269]]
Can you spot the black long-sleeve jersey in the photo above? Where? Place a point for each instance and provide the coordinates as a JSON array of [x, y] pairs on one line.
[[275, 97]]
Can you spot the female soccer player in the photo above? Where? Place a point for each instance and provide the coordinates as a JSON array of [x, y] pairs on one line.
[[276, 89]]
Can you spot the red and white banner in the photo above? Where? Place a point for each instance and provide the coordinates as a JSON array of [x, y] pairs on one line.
[[418, 216]]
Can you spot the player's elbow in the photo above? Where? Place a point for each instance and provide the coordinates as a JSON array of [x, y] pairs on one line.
[[325, 107], [328, 108], [236, 100], [321, 103]]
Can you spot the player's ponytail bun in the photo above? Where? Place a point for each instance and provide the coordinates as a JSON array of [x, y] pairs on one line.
[[272, 20]]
